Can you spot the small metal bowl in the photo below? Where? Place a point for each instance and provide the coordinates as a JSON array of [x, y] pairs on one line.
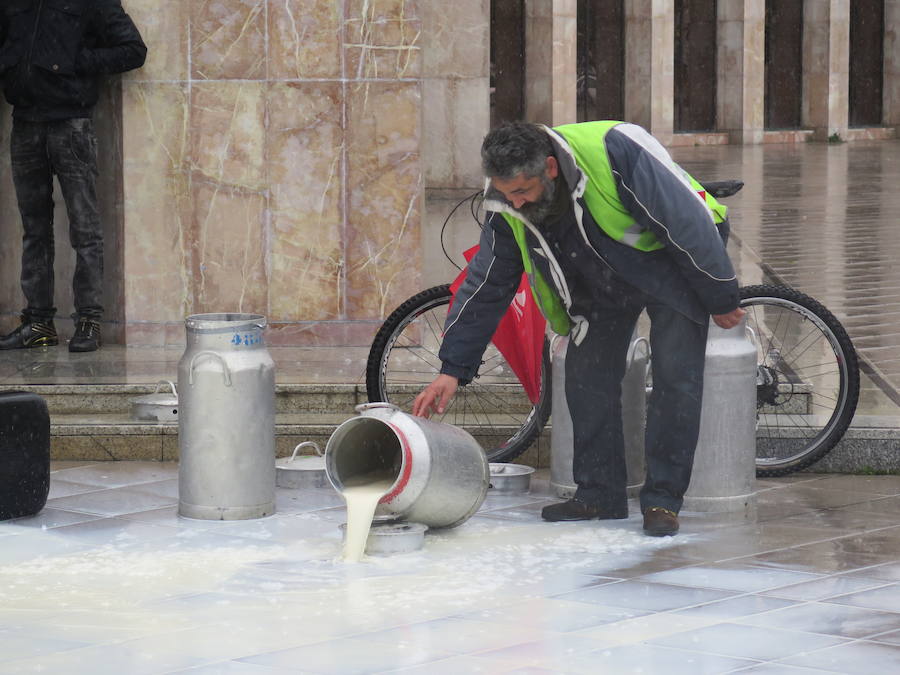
[[510, 478], [388, 538]]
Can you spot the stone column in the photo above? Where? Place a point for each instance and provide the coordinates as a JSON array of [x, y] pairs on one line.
[[741, 69], [891, 63], [456, 68], [550, 61], [826, 67], [456, 78], [650, 66], [271, 165]]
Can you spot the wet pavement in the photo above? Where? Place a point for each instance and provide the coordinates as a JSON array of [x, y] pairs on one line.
[[108, 579], [822, 218]]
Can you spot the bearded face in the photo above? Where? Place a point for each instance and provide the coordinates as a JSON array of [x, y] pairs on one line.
[[538, 210]]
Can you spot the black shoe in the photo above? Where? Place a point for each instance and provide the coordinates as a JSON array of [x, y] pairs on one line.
[[660, 522], [87, 336], [31, 334], [576, 510]]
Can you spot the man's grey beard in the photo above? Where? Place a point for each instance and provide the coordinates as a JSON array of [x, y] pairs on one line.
[[537, 212]]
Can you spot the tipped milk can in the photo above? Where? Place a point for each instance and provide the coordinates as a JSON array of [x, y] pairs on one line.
[[440, 472], [724, 473], [634, 415], [226, 425]]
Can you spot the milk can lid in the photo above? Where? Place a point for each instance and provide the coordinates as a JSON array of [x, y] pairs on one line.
[[226, 321]]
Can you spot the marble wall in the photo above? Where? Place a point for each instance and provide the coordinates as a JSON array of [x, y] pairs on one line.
[[270, 163]]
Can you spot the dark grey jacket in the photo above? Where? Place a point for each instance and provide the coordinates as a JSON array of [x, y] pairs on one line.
[[692, 273], [52, 52]]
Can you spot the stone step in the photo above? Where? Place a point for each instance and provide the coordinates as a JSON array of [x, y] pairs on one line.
[[79, 399], [92, 422], [116, 436]]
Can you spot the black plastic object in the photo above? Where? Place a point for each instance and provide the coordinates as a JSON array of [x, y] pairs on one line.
[[24, 454]]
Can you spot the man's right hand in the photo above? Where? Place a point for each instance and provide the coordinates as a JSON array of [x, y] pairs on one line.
[[436, 396]]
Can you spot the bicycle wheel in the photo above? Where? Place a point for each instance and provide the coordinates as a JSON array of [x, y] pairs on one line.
[[404, 359], [807, 378]]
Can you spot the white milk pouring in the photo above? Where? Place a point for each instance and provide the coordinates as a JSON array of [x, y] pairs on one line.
[[362, 496]]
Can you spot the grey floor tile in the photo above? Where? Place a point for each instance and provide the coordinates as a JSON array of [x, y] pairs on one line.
[[64, 488], [886, 571], [825, 558], [780, 669], [236, 668], [348, 657], [872, 485], [828, 619], [645, 658], [553, 615], [16, 646], [117, 474], [855, 658], [750, 642], [892, 638], [50, 518], [732, 608], [458, 636], [114, 502], [469, 664], [549, 649], [826, 587], [730, 576], [885, 597], [640, 595]]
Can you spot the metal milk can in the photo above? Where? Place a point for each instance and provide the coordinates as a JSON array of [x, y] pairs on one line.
[[441, 473], [724, 473], [226, 425], [634, 416]]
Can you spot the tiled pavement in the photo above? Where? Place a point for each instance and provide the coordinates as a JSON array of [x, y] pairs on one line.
[[109, 580]]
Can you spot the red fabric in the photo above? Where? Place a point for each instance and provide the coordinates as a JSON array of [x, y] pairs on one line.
[[519, 335]]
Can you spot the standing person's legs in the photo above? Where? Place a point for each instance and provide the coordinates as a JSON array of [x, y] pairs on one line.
[[673, 412], [72, 145], [33, 179], [594, 372]]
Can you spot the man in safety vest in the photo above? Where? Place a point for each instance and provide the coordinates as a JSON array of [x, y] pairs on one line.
[[605, 225]]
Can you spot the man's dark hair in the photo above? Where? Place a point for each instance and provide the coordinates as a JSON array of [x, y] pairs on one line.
[[514, 148]]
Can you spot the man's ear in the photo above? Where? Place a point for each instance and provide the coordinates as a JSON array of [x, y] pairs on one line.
[[552, 167]]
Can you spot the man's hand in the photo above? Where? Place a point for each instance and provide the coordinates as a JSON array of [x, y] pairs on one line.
[[436, 396], [730, 320]]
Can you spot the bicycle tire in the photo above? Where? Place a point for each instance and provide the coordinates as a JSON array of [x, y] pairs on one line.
[[807, 378], [493, 407]]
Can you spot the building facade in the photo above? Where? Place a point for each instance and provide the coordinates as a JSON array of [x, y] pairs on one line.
[[295, 158]]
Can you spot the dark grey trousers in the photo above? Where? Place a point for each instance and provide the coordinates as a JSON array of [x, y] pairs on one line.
[[67, 149], [594, 372]]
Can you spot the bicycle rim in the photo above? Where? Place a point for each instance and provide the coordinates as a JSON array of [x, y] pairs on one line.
[[807, 378], [493, 407]]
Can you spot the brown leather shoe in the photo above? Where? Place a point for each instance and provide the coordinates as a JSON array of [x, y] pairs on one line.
[[660, 522], [578, 510]]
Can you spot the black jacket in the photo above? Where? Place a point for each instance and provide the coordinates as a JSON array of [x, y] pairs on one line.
[[692, 273], [52, 52]]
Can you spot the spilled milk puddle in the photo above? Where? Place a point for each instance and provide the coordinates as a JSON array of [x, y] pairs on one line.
[[479, 563]]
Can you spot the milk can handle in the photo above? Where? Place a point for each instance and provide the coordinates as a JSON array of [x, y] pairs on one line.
[[169, 382], [305, 444], [753, 338], [225, 370], [362, 407]]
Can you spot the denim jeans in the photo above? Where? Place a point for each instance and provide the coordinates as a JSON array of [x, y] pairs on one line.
[[67, 149], [594, 371]]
